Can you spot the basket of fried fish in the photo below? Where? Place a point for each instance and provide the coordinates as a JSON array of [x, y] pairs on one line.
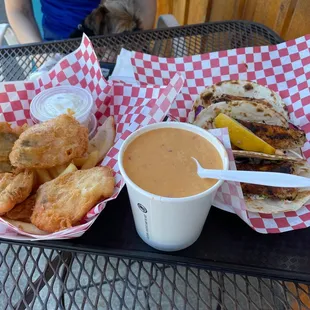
[[262, 138], [49, 178]]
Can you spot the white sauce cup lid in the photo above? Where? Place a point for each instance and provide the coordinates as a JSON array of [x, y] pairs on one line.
[[58, 100]]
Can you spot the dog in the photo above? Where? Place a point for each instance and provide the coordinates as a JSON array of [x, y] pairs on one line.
[[111, 16]]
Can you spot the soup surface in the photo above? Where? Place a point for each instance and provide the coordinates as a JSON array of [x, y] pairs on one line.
[[159, 161]]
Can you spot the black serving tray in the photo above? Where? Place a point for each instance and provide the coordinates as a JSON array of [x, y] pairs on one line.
[[226, 243]]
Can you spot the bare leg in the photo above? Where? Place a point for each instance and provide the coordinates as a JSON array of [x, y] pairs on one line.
[[147, 9]]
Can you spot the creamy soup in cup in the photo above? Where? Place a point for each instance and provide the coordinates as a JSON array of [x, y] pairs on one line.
[[170, 203]]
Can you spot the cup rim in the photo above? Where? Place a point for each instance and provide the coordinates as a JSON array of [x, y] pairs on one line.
[[185, 126]]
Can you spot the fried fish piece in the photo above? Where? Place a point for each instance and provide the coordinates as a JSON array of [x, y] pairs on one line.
[[52, 143], [64, 201], [20, 129], [5, 166], [14, 189], [278, 137], [269, 191], [8, 136], [22, 211], [7, 139]]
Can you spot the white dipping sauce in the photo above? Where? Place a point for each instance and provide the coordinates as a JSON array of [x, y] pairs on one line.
[[52, 102], [60, 104]]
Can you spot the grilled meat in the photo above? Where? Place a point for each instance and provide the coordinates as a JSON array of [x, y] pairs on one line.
[[268, 191], [281, 167], [276, 136], [7, 139]]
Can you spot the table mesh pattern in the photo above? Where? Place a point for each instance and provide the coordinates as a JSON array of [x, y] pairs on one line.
[[35, 278], [18, 62]]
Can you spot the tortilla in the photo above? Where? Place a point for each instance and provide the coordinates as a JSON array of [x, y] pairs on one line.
[[250, 154], [240, 88], [243, 110], [267, 205]]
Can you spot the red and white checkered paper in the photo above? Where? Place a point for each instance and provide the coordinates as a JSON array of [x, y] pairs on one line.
[[131, 106], [284, 68]]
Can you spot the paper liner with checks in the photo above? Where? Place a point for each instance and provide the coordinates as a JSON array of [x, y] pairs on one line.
[[284, 68], [131, 106]]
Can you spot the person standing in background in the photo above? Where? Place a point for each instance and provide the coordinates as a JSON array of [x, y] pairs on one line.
[[62, 17]]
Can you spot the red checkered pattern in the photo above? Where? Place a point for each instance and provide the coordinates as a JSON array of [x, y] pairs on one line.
[[80, 68], [15, 101], [132, 107], [285, 68], [230, 193]]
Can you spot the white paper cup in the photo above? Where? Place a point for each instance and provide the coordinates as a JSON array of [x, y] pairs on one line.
[[170, 224]]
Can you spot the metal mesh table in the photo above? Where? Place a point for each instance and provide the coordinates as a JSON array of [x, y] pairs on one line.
[[40, 278], [33, 278]]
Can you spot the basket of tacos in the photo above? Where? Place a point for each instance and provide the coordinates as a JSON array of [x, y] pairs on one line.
[[262, 138]]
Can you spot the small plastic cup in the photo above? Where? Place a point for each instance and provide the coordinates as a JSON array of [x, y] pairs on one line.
[[55, 101], [170, 224]]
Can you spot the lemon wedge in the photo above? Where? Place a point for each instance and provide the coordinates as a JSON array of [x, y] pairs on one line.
[[242, 137]]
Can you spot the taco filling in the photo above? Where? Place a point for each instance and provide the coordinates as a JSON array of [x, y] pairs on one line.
[[268, 191], [277, 136]]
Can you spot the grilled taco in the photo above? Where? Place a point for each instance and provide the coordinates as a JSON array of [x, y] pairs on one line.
[[289, 156], [242, 110], [267, 199], [256, 109], [236, 90]]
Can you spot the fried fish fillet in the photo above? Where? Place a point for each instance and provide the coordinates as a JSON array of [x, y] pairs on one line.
[[14, 189], [52, 143], [269, 191], [278, 137], [22, 211], [7, 139], [64, 201], [5, 166]]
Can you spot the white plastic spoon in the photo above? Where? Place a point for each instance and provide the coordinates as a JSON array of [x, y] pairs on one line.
[[274, 179]]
